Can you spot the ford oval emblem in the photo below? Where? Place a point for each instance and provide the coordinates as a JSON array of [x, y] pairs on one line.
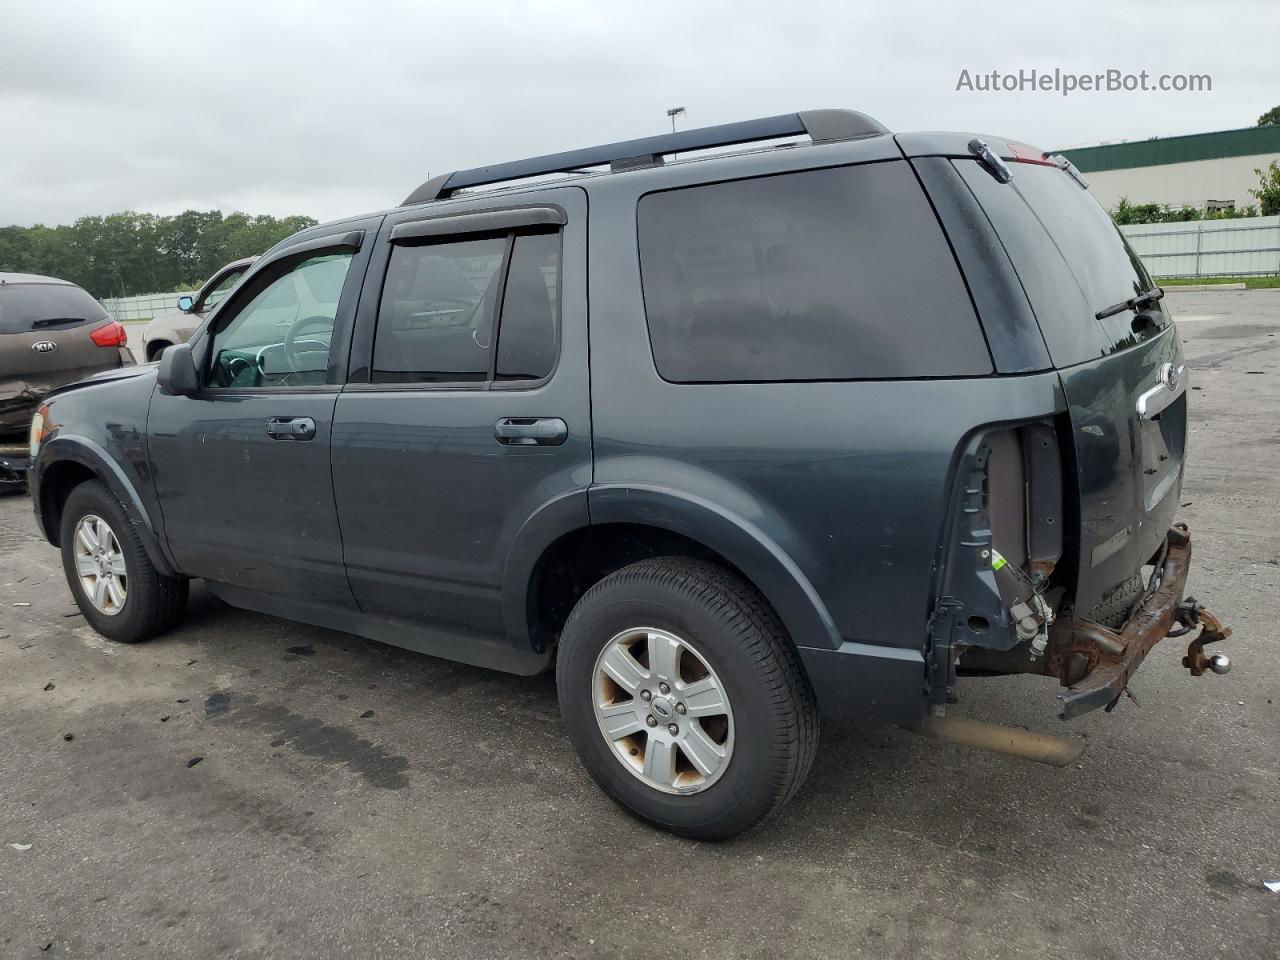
[[44, 346]]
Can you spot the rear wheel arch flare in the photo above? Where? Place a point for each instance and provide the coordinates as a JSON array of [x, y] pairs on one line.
[[579, 559]]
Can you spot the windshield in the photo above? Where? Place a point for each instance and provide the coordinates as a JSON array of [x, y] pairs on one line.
[[27, 307]]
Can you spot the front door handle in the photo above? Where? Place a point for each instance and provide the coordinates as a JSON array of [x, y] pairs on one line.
[[526, 431], [291, 428]]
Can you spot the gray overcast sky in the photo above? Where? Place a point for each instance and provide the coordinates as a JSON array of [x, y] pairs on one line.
[[331, 109]]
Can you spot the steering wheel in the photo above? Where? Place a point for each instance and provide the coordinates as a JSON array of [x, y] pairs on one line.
[[295, 335]]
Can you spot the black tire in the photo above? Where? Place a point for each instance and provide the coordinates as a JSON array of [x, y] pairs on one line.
[[155, 348], [1114, 611], [775, 715], [153, 602]]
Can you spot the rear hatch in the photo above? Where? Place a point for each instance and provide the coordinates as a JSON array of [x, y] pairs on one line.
[[1120, 362], [46, 340]]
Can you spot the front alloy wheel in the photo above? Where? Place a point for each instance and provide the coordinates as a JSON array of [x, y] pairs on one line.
[[663, 710], [100, 564], [112, 579]]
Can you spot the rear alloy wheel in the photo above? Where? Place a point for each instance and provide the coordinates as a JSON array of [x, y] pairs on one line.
[[685, 698], [663, 710], [116, 586]]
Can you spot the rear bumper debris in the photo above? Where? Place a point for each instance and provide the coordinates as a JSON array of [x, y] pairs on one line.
[[1095, 663], [13, 467]]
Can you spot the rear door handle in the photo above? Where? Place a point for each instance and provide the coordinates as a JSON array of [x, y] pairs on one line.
[[526, 431], [291, 428]]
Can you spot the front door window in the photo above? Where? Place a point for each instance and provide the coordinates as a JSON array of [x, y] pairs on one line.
[[282, 336]]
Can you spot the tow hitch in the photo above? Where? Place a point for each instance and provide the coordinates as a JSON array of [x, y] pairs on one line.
[[1194, 618]]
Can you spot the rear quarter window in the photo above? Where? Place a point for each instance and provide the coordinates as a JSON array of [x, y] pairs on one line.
[[839, 274], [30, 307]]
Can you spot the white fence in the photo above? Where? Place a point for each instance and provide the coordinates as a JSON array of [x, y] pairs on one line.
[[1248, 246], [132, 309]]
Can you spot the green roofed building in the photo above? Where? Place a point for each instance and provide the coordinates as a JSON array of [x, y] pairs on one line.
[[1211, 171]]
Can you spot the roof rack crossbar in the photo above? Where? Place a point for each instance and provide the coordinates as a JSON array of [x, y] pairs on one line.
[[820, 125]]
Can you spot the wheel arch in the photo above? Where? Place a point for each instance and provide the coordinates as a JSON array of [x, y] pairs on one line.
[[546, 576], [63, 464]]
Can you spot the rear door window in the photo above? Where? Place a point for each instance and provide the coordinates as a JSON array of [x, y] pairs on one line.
[[1071, 258], [31, 307], [444, 303], [837, 274]]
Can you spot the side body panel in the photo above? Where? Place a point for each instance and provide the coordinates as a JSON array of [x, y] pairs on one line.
[[102, 428], [831, 497]]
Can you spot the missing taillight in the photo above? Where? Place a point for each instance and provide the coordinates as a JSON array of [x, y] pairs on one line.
[[112, 335]]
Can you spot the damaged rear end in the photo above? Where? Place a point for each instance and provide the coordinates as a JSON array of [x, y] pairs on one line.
[[1063, 555], [52, 333]]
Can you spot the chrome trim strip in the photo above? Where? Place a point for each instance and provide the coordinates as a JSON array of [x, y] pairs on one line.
[[1173, 383]]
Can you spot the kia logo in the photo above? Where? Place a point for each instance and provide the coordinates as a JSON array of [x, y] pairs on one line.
[[44, 346]]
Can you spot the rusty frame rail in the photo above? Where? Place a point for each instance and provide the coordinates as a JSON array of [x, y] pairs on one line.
[[1096, 662]]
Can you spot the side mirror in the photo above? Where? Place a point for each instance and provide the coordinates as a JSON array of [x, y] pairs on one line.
[[177, 373], [185, 303]]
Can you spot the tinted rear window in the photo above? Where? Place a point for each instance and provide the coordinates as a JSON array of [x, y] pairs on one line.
[[835, 274], [1071, 258], [27, 307]]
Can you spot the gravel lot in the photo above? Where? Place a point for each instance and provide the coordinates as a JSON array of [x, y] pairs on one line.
[[357, 800]]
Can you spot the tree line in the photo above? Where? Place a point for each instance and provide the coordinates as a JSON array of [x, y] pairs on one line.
[[125, 254]]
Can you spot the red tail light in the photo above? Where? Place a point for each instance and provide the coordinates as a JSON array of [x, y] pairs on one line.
[[112, 335], [1025, 154]]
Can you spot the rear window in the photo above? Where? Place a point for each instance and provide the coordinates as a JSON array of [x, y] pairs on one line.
[[1071, 258], [838, 274], [29, 307]]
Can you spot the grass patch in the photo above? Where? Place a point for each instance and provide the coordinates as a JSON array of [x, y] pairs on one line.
[[1251, 283]]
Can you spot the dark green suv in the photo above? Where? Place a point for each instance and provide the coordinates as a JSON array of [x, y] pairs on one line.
[[731, 441]]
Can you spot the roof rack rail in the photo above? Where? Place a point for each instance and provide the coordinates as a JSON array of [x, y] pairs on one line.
[[822, 126]]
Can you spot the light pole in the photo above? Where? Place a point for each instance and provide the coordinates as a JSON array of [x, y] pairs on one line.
[[673, 113]]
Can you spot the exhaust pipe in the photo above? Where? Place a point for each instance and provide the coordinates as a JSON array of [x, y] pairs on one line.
[[998, 738]]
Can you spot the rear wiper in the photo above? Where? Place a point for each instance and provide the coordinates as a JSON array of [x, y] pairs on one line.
[[1144, 299], [55, 322]]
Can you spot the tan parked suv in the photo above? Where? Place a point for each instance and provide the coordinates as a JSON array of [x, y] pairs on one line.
[[51, 333], [178, 325]]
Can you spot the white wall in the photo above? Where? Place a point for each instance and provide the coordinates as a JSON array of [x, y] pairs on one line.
[[1208, 248], [1192, 184]]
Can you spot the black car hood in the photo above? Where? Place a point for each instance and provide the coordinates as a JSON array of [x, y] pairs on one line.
[[120, 373]]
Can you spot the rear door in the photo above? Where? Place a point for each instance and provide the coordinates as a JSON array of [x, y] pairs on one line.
[[1123, 374], [467, 410], [46, 340]]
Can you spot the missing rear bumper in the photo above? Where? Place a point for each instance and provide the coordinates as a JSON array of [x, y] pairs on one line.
[[1095, 663]]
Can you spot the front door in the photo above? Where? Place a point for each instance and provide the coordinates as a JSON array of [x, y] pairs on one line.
[[242, 468], [473, 413]]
